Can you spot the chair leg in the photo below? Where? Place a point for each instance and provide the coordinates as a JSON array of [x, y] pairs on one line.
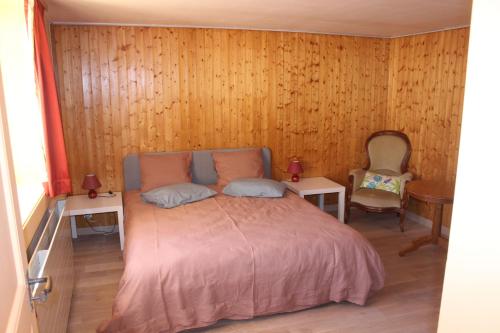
[[402, 220], [402, 210]]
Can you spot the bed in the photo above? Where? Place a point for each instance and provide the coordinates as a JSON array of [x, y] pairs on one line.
[[233, 258]]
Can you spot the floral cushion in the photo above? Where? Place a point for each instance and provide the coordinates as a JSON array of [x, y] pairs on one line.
[[381, 182]]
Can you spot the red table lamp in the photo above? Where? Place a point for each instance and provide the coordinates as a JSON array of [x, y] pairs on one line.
[[295, 168], [91, 183]]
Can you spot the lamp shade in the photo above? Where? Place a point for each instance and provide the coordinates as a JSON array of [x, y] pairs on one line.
[[90, 182], [295, 167]]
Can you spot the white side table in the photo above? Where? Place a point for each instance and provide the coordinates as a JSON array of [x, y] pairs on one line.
[[321, 186], [81, 205]]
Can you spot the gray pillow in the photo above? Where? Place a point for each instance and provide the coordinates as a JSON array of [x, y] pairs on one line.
[[255, 187], [178, 194]]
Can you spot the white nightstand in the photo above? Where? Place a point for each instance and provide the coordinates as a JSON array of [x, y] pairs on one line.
[[321, 186], [81, 205]]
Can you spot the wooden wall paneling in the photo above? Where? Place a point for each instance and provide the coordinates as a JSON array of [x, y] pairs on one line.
[[227, 88], [335, 52], [426, 86], [174, 105], [231, 117], [331, 111], [249, 129], [343, 103], [133, 42], [257, 80], [184, 140], [161, 138], [239, 81], [218, 87], [244, 90], [137, 76], [144, 89], [457, 86], [162, 93], [324, 108], [312, 85], [149, 113], [101, 89], [88, 131], [162, 89], [288, 83], [112, 124], [349, 86], [184, 89], [455, 91], [270, 115], [96, 107], [209, 87], [265, 93], [199, 88], [251, 92], [300, 100], [318, 97], [243, 117], [78, 107], [302, 103], [282, 144]]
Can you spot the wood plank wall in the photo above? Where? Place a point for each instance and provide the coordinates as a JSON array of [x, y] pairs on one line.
[[318, 97], [131, 89], [425, 100]]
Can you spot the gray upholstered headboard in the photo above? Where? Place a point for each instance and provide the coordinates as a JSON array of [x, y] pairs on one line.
[[202, 167]]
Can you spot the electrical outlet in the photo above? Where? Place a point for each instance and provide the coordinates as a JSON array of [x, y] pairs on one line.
[[88, 217]]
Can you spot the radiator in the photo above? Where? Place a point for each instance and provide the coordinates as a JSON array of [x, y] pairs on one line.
[[51, 271]]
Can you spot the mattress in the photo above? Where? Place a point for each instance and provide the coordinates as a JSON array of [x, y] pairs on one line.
[[235, 258]]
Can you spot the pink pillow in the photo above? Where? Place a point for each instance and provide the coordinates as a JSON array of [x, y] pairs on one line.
[[164, 169], [238, 164]]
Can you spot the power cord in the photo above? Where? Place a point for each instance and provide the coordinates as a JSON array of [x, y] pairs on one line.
[[88, 219], [108, 194]]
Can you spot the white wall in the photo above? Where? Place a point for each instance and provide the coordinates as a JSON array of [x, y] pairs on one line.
[[15, 311], [471, 295]]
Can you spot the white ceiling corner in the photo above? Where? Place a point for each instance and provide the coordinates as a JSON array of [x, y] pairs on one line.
[[375, 18]]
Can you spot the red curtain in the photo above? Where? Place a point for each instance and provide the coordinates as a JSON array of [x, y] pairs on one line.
[[55, 153]]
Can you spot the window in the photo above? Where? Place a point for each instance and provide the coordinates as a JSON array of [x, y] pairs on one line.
[[23, 109]]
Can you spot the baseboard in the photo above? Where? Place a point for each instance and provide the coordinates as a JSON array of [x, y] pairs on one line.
[[445, 231], [98, 229]]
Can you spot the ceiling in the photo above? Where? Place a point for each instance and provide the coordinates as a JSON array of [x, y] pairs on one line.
[[377, 18]]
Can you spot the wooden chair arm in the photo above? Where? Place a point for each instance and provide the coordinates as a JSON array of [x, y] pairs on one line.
[[405, 178], [356, 178]]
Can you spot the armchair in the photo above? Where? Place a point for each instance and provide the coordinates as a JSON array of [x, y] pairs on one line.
[[388, 154]]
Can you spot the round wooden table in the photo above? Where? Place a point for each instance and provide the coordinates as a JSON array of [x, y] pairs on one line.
[[429, 192]]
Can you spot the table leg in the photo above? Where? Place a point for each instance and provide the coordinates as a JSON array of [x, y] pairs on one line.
[[340, 206], [322, 201], [431, 239], [74, 234], [436, 224], [416, 244], [119, 214]]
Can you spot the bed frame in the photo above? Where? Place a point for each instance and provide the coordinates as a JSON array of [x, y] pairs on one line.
[[202, 167]]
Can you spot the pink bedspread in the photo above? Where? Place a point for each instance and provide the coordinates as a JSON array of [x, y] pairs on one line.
[[235, 258]]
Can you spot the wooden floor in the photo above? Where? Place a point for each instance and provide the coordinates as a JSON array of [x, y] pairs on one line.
[[408, 303]]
